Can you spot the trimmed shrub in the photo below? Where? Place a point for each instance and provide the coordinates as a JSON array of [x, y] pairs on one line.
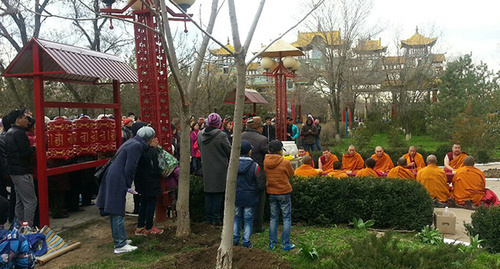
[[485, 224], [392, 203], [196, 199]]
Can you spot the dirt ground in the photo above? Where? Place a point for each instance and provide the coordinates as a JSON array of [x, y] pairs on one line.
[[195, 252]]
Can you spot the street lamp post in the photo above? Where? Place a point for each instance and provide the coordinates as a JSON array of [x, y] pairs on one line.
[[284, 68]]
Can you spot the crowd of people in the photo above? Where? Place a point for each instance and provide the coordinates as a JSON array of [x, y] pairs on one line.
[[263, 174]]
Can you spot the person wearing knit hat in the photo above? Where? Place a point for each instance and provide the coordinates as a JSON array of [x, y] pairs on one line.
[[147, 133], [215, 151], [214, 120], [246, 195], [127, 129], [260, 144], [117, 181]]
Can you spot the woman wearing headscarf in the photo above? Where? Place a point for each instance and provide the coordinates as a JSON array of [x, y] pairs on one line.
[[215, 151]]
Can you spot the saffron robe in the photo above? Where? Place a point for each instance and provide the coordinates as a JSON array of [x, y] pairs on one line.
[[384, 163], [337, 174], [366, 172], [312, 161], [435, 181], [305, 170], [456, 162], [400, 172], [417, 159], [352, 163], [468, 184], [327, 165]]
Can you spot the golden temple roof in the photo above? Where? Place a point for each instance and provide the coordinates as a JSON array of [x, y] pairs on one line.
[[253, 66], [393, 60], [438, 58], [304, 39], [222, 51], [418, 40], [370, 45]]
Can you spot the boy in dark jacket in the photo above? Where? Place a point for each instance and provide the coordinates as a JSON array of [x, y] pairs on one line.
[[246, 195], [147, 184]]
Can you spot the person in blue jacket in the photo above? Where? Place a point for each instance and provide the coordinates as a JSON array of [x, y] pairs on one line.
[[117, 181], [292, 130], [246, 196]]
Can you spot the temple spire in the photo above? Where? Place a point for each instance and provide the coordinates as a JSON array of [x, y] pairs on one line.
[[416, 29]]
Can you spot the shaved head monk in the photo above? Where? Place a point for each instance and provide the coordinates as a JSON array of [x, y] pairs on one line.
[[383, 161], [401, 171], [434, 180], [302, 153], [468, 184], [454, 159], [306, 170], [325, 162], [337, 170], [414, 159], [352, 161], [368, 170]]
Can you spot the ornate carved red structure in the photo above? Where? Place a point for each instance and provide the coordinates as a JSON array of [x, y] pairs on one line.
[[60, 139], [105, 135], [84, 136], [41, 61]]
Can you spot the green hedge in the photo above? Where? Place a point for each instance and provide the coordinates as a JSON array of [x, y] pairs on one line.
[[392, 203], [485, 224]]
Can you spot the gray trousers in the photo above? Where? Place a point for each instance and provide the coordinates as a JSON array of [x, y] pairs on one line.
[[26, 200]]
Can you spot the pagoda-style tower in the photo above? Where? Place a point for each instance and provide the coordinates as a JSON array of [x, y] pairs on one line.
[[223, 60]]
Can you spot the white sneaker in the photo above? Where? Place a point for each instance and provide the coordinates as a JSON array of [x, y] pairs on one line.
[[129, 241], [125, 249]]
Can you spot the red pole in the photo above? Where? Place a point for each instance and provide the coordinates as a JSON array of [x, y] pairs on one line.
[[41, 157], [117, 113]]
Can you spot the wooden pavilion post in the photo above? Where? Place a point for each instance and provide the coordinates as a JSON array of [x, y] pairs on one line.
[[41, 156]]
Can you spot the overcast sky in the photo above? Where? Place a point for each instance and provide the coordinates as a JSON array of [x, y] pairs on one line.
[[461, 26]]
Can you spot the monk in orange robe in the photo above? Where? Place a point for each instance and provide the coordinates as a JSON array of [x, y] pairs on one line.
[[468, 183], [368, 170], [325, 162], [383, 161], [302, 153], [454, 159], [352, 161], [434, 180], [414, 159], [401, 171], [305, 170], [337, 172]]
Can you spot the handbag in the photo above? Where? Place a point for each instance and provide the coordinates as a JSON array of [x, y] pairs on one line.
[[99, 174], [166, 162]]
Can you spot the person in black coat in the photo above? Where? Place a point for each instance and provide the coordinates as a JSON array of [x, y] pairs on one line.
[[260, 144], [269, 130], [19, 166], [147, 184]]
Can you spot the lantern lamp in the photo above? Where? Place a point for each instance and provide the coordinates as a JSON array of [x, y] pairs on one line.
[[296, 66], [266, 63], [137, 5], [184, 4], [109, 3], [289, 62]]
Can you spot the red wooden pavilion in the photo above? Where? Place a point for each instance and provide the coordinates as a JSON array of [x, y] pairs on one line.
[[41, 61]]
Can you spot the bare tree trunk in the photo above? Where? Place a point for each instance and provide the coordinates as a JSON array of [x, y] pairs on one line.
[[183, 217], [225, 251]]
